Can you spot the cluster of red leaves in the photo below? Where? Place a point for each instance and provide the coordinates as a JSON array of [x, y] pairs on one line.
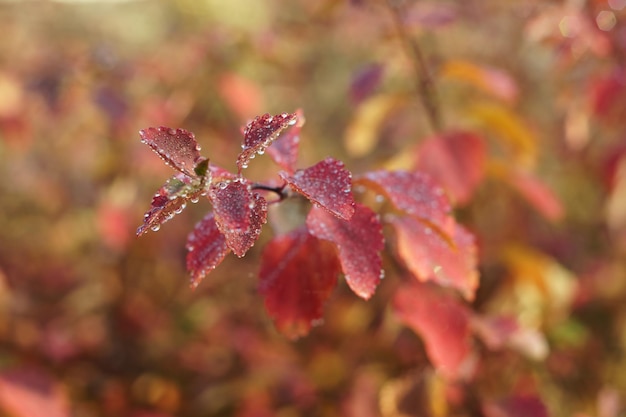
[[299, 269]]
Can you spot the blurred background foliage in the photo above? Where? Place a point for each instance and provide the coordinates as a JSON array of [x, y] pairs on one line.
[[94, 322]]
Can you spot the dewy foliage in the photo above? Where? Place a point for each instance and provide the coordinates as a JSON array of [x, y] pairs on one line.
[[299, 269]]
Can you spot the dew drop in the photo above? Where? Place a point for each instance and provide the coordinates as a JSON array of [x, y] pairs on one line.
[[292, 122], [269, 119], [243, 146], [198, 148], [252, 156], [190, 248], [261, 151], [244, 166], [194, 200], [382, 274], [180, 209], [251, 205], [172, 131], [223, 185], [155, 227]]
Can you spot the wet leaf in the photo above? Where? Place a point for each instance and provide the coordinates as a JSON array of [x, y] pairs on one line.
[[431, 257], [456, 160], [177, 147], [298, 274], [284, 150], [260, 133], [232, 204], [415, 193], [171, 199], [442, 322], [359, 241], [206, 248], [327, 183], [29, 392]]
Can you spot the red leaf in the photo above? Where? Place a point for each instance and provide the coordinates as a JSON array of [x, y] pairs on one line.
[[206, 248], [516, 406], [298, 273], [365, 81], [31, 393], [177, 147], [442, 322], [328, 184], [359, 240], [431, 257], [537, 194], [260, 133], [239, 214], [455, 160], [414, 193], [284, 150], [171, 199]]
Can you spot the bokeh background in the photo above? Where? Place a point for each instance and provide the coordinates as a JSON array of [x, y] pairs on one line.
[[95, 322]]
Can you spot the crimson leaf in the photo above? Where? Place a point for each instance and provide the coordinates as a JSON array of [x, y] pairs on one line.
[[442, 322], [414, 193], [206, 248], [177, 147], [431, 257], [284, 150], [241, 242], [298, 273], [171, 199], [328, 184], [260, 133], [359, 241]]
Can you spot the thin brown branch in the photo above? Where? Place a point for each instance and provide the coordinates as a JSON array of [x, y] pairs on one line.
[[425, 83]]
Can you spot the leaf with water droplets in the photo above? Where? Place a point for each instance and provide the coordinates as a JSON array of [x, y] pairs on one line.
[[260, 133], [414, 193], [431, 257], [284, 150], [236, 208], [206, 248], [171, 199], [359, 241], [442, 322], [298, 274], [328, 184], [177, 147]]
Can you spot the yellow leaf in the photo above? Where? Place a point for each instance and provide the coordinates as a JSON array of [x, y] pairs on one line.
[[490, 80], [362, 134]]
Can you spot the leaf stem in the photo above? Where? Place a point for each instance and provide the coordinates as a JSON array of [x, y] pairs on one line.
[[425, 82], [281, 191]]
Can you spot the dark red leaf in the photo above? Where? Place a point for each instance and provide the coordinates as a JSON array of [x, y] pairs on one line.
[[206, 248], [260, 133], [456, 160], [442, 322], [359, 240], [365, 81], [177, 147], [298, 273], [31, 393], [516, 406], [171, 199], [328, 184], [284, 150], [414, 193], [431, 257], [240, 243]]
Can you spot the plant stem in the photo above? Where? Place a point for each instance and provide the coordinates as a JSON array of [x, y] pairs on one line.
[[281, 191], [425, 82]]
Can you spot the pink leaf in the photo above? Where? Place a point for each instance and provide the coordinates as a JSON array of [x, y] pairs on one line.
[[327, 183], [359, 240], [414, 193], [171, 199], [239, 214], [431, 257], [177, 147], [365, 81], [284, 150], [456, 160], [298, 273], [206, 248], [537, 194], [260, 133], [31, 393], [442, 322]]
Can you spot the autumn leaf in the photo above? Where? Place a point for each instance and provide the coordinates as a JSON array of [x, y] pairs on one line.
[[328, 184], [284, 150], [177, 147], [260, 133], [206, 247], [26, 392], [298, 273], [431, 257], [442, 322], [415, 193], [359, 241]]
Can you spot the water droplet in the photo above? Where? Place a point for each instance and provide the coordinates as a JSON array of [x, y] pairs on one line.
[[243, 146], [180, 209], [292, 122], [252, 156], [261, 151], [190, 248], [198, 148], [155, 227], [244, 166], [269, 119], [382, 274], [172, 131], [251, 205], [223, 185], [194, 200]]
